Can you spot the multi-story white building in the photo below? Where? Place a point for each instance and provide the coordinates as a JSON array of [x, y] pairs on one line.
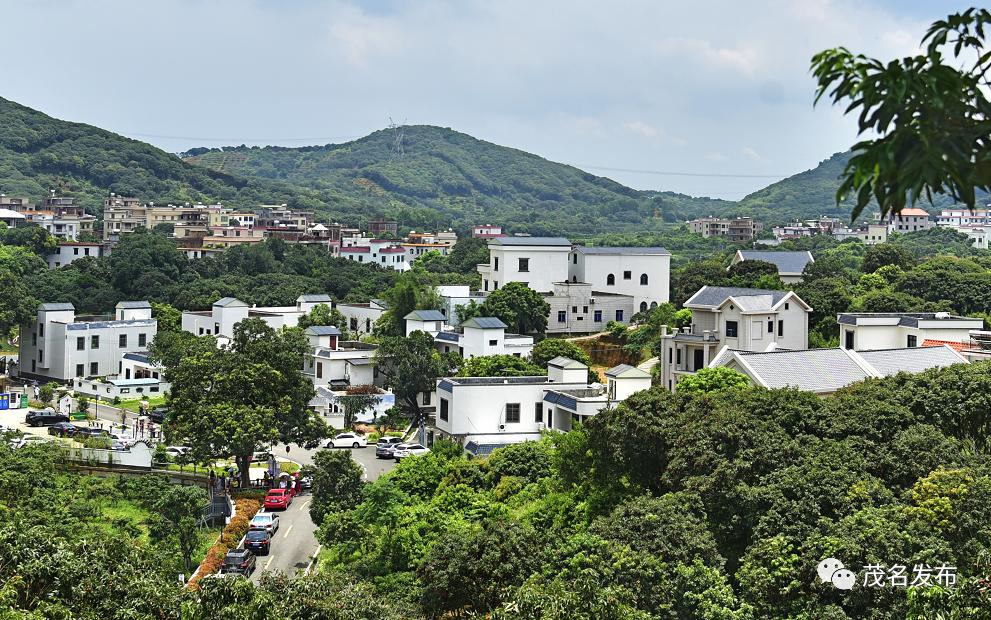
[[538, 262], [227, 312], [486, 231], [336, 364], [740, 319], [70, 251], [963, 217], [866, 331], [909, 219], [59, 346], [481, 336], [642, 273], [484, 413], [362, 317]]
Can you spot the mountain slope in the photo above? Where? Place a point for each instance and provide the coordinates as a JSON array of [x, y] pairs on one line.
[[38, 152]]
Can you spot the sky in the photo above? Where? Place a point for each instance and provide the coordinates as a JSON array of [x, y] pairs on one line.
[[704, 98]]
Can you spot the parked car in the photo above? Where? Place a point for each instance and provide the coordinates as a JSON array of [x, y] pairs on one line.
[[177, 451], [28, 440], [261, 455], [408, 449], [258, 541], [62, 429], [158, 414], [344, 440], [122, 438], [307, 482], [385, 446], [119, 445], [84, 433], [264, 521], [44, 417], [278, 499], [239, 562]]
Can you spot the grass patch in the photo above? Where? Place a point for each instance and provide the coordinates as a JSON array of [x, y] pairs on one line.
[[124, 515], [134, 406]]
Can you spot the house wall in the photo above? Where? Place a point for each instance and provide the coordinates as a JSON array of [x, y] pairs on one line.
[[547, 265], [361, 319], [476, 342], [481, 409], [595, 269], [575, 301]]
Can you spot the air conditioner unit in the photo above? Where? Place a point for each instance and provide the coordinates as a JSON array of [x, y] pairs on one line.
[[540, 426], [591, 301], [502, 427]]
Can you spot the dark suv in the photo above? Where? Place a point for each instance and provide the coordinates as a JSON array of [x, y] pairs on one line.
[[44, 417], [62, 429], [383, 449], [238, 562], [157, 414], [82, 434]]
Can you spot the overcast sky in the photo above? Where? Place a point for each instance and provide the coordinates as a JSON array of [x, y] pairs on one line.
[[709, 88]]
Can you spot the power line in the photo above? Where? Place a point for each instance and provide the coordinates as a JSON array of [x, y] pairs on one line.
[[684, 174]]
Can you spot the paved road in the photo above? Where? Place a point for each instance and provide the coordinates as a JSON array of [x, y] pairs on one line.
[[295, 545]]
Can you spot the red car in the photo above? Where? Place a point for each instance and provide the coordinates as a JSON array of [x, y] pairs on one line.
[[278, 498]]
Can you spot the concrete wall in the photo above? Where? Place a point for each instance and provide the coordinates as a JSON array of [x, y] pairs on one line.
[[547, 265], [596, 268]]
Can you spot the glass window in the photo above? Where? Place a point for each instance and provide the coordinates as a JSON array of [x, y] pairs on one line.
[[627, 275], [94, 368], [770, 327], [444, 409], [80, 370], [94, 342], [610, 279], [643, 279], [619, 315], [524, 264], [781, 328], [597, 316], [538, 412], [81, 343], [561, 316], [731, 329], [142, 339], [122, 340], [912, 341], [512, 413]]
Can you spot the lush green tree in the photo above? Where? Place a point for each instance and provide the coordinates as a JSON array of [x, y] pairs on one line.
[[411, 366], [523, 309], [169, 317], [177, 512], [928, 112], [884, 254], [323, 314], [499, 366], [46, 393], [34, 238], [687, 281], [144, 264], [357, 400], [337, 483], [753, 274], [235, 400], [714, 379], [549, 348]]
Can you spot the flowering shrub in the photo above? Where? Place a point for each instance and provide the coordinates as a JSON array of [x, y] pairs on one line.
[[244, 509]]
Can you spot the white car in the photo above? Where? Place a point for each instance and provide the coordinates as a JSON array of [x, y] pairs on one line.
[[265, 521], [408, 449], [177, 451], [28, 440], [347, 440], [122, 438]]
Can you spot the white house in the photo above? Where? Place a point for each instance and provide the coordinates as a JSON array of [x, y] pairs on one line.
[[575, 308], [69, 251], [453, 296], [790, 265], [825, 371], [480, 336], [538, 262], [59, 346], [484, 413], [734, 318], [486, 231], [336, 364], [227, 312], [865, 331], [429, 321], [362, 317], [643, 273]]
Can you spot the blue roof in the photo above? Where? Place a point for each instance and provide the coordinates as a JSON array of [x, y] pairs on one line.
[[445, 385], [448, 336], [484, 322], [556, 241], [56, 307], [425, 315]]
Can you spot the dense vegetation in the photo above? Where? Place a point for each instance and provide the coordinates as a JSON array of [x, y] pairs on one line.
[[703, 505]]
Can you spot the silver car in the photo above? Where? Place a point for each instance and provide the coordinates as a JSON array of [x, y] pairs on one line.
[[264, 521], [408, 449]]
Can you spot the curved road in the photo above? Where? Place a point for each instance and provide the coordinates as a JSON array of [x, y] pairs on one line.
[[295, 545]]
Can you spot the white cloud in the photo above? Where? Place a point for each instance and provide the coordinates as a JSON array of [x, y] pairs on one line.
[[641, 128], [752, 154]]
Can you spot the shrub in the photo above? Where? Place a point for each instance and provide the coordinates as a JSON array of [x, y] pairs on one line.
[[229, 539]]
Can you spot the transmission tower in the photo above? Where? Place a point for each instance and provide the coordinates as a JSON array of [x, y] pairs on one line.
[[398, 137]]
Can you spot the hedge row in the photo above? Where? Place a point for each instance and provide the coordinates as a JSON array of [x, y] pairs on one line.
[[245, 509]]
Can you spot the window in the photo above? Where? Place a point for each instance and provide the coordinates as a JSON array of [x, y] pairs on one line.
[[41, 330], [574, 309], [426, 398], [643, 279], [679, 357], [94, 368], [584, 309], [912, 342], [786, 305], [512, 413], [562, 316], [619, 315], [142, 340], [34, 339], [496, 267], [81, 343], [770, 327], [731, 329], [122, 340], [574, 258], [610, 280], [643, 306], [94, 342], [781, 328], [524, 264], [493, 343], [597, 316], [41, 355], [627, 275], [201, 331], [538, 412], [80, 370], [216, 328], [444, 409], [75, 251], [319, 370]]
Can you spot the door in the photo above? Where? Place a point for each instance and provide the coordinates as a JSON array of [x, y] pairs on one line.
[[699, 359]]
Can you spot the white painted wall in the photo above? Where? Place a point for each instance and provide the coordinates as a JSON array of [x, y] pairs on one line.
[[596, 268], [547, 265]]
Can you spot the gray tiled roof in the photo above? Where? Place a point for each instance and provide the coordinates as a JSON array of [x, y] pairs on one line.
[[425, 315], [714, 296], [322, 330], [447, 336], [565, 362], [891, 361], [815, 370], [314, 297], [625, 370], [484, 322], [786, 262], [55, 307], [229, 301], [557, 241], [584, 249], [133, 305]]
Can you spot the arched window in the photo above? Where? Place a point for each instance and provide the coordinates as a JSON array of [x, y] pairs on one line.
[[643, 306], [653, 305], [643, 279], [610, 279]]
